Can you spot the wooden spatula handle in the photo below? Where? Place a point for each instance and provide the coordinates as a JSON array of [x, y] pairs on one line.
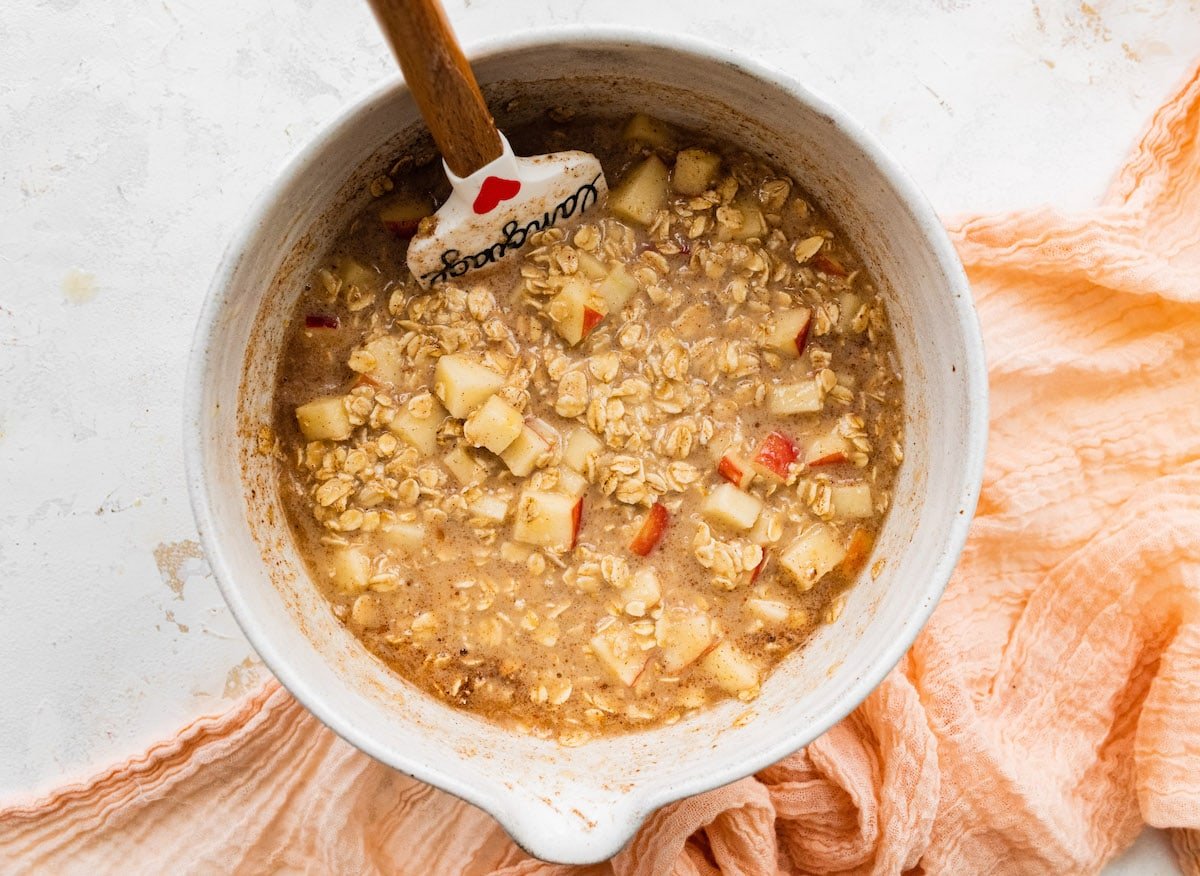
[[441, 80]]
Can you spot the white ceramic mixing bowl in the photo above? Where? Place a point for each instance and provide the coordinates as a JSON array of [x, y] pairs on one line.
[[582, 804]]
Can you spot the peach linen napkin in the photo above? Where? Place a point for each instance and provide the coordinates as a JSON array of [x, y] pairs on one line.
[[1049, 709]]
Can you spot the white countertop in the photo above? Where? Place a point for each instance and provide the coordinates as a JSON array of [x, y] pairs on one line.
[[132, 137]]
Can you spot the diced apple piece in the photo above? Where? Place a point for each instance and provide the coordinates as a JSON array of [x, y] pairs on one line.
[[642, 593], [549, 520], [829, 265], [530, 448], [849, 305], [462, 384], [617, 288], [367, 611], [651, 531], [391, 363], [762, 564], [576, 310], [571, 482], [641, 194], [736, 469], [466, 468], [581, 444], [812, 556], [795, 398], [420, 432], [767, 529], [321, 325], [858, 552], [324, 419], [619, 652], [405, 536], [732, 670], [754, 224], [852, 500], [775, 456], [788, 332], [768, 610], [695, 171], [644, 129], [683, 634], [828, 449], [403, 216], [495, 425], [728, 506], [590, 266], [490, 507], [354, 273], [350, 568]]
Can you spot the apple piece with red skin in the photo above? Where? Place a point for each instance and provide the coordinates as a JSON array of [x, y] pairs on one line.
[[830, 449], [651, 531], [827, 264], [322, 321], [775, 455], [736, 470], [788, 332], [403, 216], [591, 319], [576, 310], [576, 521], [758, 569], [858, 551]]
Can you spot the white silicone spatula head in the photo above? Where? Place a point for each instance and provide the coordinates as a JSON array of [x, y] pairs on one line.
[[497, 199]]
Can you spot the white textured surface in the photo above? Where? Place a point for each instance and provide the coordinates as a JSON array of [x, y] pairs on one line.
[[132, 137]]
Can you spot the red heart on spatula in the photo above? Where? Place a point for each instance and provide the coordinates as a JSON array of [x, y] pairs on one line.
[[493, 191]]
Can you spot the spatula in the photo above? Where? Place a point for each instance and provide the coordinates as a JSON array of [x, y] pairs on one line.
[[497, 199]]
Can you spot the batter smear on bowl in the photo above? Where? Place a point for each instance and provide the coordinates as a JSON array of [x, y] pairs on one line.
[[616, 478]]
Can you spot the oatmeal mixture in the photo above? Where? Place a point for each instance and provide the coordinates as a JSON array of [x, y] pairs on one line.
[[615, 479]]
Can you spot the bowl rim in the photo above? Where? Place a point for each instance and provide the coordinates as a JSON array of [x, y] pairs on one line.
[[524, 830]]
